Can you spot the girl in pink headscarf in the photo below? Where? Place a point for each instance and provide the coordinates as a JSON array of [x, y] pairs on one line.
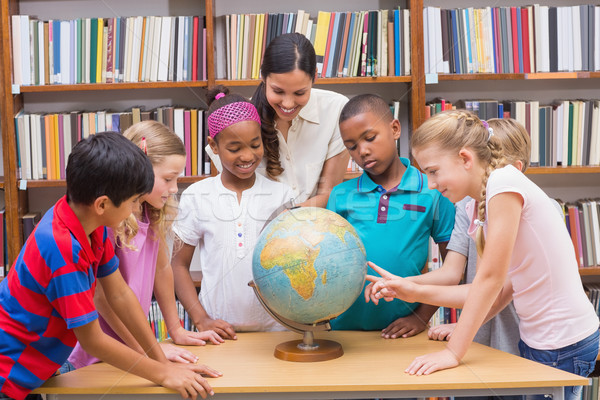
[[223, 216]]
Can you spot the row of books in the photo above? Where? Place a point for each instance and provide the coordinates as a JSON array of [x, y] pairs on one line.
[[157, 322], [593, 292], [443, 315], [583, 222], [347, 44], [44, 141], [512, 39], [106, 50], [590, 392], [564, 133]]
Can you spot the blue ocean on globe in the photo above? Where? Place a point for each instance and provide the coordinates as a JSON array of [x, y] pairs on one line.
[[309, 265]]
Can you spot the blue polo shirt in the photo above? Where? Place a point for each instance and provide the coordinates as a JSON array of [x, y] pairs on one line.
[[395, 227]]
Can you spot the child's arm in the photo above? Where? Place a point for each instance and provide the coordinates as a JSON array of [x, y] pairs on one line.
[[186, 292], [390, 286], [111, 318], [504, 211], [450, 273], [185, 379], [165, 296]]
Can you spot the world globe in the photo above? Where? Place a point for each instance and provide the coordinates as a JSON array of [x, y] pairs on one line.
[[308, 266]]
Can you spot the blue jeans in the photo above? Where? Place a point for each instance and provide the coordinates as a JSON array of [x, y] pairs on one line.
[[578, 358], [66, 367]]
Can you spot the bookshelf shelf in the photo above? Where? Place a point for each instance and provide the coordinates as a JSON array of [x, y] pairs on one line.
[[480, 77], [111, 86], [45, 183], [533, 76], [589, 271], [325, 81], [562, 170]]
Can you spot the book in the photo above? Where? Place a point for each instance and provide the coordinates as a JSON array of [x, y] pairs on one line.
[[29, 220]]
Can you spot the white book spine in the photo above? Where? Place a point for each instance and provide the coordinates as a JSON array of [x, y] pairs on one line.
[[156, 49], [65, 52], [406, 38], [25, 51], [180, 47], [163, 58]]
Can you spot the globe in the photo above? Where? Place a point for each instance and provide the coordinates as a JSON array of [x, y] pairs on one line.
[[308, 266]]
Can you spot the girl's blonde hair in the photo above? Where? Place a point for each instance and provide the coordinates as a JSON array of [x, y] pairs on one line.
[[159, 142], [455, 130]]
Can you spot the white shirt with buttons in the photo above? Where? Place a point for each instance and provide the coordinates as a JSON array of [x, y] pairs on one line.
[[313, 138], [226, 232]]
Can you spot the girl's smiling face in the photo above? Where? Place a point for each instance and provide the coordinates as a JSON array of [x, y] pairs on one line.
[[448, 172], [240, 149], [165, 180], [287, 93]]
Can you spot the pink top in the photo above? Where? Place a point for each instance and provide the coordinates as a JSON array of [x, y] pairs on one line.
[[138, 269], [553, 309]]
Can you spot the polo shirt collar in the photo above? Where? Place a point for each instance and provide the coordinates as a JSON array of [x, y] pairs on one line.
[[68, 218], [412, 180], [310, 112]]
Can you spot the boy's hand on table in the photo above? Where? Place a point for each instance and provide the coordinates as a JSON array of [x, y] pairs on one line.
[[441, 332], [404, 327], [189, 338]]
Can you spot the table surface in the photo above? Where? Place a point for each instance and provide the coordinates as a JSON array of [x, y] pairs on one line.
[[370, 363]]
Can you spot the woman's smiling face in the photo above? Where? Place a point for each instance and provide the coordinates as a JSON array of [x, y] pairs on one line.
[[287, 93]]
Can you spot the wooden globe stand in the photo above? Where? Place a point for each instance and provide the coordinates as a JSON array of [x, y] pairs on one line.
[[308, 349]]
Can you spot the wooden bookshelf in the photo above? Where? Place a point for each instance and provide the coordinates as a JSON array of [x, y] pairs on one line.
[[325, 81], [111, 86]]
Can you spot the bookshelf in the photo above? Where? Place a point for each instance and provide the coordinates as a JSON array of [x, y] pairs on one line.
[[413, 89]]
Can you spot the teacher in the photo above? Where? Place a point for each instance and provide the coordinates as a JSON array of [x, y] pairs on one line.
[[299, 124]]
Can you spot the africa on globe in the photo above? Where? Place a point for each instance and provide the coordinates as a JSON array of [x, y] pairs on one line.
[[309, 266]]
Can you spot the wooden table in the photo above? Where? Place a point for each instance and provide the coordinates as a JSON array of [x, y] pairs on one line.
[[371, 367]]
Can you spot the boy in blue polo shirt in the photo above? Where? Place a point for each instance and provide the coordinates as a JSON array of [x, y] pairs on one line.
[[47, 299], [393, 211]]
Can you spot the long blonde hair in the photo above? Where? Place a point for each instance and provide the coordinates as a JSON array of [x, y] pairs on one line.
[[159, 142], [457, 129]]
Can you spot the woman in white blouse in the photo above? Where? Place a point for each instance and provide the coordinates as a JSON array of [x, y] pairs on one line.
[[301, 136]]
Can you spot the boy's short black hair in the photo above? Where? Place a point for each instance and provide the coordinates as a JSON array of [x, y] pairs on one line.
[[107, 163], [366, 103]]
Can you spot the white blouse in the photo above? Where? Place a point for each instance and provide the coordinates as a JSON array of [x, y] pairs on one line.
[[225, 233]]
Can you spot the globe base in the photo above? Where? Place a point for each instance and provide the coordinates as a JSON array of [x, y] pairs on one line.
[[323, 350]]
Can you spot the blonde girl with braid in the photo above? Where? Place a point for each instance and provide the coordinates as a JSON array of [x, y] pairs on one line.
[[141, 246], [525, 253]]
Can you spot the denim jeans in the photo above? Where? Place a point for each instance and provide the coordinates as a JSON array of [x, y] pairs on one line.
[[66, 367], [578, 358]]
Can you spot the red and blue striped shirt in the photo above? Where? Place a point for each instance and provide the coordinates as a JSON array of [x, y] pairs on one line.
[[48, 291]]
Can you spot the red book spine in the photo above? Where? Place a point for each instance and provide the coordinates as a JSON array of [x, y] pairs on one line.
[[498, 41], [525, 33], [515, 38], [329, 33], [195, 50]]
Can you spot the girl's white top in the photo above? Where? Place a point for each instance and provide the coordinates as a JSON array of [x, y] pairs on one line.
[[226, 232]]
